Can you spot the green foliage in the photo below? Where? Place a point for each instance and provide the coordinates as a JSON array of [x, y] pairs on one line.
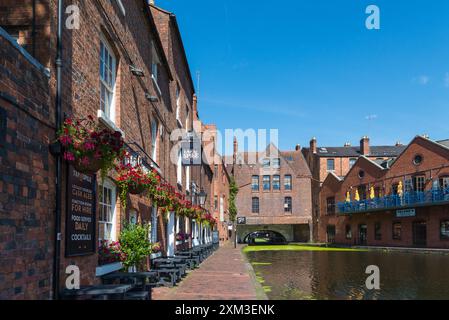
[[135, 244], [233, 191]]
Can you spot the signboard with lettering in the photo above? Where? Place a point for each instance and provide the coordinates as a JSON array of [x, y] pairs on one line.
[[191, 152], [241, 220], [405, 213], [81, 212]]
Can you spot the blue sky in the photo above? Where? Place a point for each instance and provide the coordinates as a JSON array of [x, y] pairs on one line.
[[311, 68]]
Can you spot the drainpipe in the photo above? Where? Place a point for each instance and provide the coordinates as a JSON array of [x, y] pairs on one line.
[[58, 118]]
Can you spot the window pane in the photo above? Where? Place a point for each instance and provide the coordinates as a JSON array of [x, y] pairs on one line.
[[266, 183], [255, 183], [276, 182], [255, 205], [444, 233], [276, 163], [288, 204], [288, 182], [330, 164]]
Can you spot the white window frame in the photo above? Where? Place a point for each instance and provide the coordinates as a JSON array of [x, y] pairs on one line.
[[112, 223], [108, 110], [179, 168], [221, 209], [154, 139], [121, 6], [188, 178], [187, 117]]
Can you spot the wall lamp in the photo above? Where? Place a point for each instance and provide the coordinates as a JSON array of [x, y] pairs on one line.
[[136, 71], [151, 98]]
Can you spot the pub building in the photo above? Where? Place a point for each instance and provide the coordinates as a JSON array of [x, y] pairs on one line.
[[402, 202], [124, 65]]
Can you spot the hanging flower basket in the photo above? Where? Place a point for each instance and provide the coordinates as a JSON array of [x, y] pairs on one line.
[[90, 148], [90, 167], [134, 180]]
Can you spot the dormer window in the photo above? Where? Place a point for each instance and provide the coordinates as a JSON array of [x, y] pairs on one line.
[[266, 163]]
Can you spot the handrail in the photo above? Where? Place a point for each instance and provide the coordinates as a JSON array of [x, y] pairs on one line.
[[413, 198]]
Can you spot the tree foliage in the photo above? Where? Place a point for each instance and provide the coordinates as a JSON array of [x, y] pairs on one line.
[[233, 191]]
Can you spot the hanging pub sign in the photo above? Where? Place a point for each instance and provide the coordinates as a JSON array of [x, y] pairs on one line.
[[191, 152], [80, 218]]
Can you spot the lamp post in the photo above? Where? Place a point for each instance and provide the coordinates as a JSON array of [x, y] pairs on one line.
[[202, 199]]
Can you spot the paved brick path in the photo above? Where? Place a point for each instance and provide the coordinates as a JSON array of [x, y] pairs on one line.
[[225, 275]]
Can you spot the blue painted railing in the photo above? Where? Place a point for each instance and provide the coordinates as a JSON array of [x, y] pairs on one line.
[[408, 199]]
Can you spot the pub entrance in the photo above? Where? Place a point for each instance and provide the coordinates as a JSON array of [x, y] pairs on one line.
[[363, 235], [420, 233]]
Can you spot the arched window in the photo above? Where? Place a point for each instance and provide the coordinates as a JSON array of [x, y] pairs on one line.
[[255, 205]]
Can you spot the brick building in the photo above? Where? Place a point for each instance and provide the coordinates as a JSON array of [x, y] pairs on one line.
[[339, 160], [126, 66], [274, 193], [401, 202]]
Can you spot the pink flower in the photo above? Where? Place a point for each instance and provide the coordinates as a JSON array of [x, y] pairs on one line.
[[85, 161], [89, 146], [68, 156], [65, 140]]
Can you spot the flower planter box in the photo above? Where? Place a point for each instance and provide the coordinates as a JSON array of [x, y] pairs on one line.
[[108, 268]]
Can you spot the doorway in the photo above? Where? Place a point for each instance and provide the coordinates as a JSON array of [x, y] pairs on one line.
[[330, 234], [420, 233], [363, 235]]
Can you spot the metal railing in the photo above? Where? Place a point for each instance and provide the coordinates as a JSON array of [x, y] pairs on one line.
[[408, 199]]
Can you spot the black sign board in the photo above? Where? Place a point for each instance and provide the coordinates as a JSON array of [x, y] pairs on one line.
[[241, 220], [191, 152], [81, 212]]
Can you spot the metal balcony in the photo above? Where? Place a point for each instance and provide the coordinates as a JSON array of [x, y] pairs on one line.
[[407, 200]]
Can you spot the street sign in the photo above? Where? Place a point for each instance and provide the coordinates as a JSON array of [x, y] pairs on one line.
[[241, 220], [81, 211], [405, 213]]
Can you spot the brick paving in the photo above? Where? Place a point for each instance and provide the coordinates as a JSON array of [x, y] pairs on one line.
[[225, 275]]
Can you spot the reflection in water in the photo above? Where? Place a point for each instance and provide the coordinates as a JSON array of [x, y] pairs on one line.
[[341, 275]]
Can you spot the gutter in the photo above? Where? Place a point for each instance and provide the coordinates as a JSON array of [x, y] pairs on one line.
[[58, 193]]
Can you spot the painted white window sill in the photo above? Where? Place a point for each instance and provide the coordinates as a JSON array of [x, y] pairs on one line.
[[108, 268], [108, 122]]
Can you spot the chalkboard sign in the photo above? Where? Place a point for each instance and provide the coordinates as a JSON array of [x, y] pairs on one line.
[[81, 212]]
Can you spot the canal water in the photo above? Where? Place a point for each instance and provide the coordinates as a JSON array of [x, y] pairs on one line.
[[295, 275]]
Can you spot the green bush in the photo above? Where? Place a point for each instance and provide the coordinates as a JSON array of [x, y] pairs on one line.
[[135, 244]]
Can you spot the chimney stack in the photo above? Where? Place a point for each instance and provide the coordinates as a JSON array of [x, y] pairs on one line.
[[236, 150], [298, 147], [399, 144], [151, 2], [313, 146], [364, 146], [347, 144]]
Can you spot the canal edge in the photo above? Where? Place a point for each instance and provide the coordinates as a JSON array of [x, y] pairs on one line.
[[260, 292]]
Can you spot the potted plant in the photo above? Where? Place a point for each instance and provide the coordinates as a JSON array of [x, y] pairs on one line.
[[89, 147], [134, 180], [135, 245]]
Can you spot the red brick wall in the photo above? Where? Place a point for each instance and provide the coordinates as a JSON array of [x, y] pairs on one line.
[[435, 164], [26, 178]]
